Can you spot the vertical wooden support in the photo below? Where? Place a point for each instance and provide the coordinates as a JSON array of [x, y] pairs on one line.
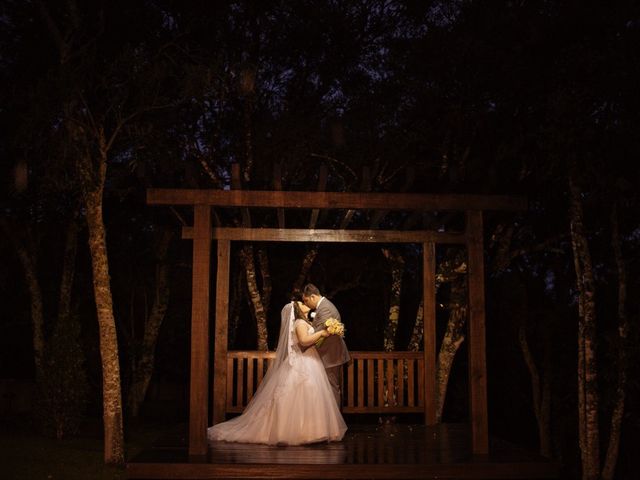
[[477, 354], [198, 398], [221, 330], [429, 334]]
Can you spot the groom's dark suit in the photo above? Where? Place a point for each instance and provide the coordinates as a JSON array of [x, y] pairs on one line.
[[333, 350]]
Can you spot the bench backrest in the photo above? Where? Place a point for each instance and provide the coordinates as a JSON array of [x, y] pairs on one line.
[[373, 382]]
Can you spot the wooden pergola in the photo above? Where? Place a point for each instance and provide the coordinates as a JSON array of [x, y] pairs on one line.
[[208, 227]]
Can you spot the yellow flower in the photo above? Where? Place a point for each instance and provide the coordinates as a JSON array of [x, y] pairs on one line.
[[334, 327]]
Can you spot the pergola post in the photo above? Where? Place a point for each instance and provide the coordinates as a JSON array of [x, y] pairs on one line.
[[198, 399], [477, 348], [221, 332], [429, 330]]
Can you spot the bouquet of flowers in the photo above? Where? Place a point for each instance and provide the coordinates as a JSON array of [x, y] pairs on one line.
[[334, 327]]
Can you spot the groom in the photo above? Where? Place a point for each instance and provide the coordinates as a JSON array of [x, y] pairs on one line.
[[333, 350]]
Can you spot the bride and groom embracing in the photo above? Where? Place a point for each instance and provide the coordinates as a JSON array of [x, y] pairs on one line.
[[298, 400]]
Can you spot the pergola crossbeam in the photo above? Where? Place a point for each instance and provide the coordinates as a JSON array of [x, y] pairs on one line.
[[334, 200], [329, 235]]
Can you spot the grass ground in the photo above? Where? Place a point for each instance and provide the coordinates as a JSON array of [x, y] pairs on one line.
[[26, 454]]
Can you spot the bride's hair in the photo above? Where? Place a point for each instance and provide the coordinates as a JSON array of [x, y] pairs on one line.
[[297, 311]]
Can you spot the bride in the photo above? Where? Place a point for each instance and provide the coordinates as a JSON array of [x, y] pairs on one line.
[[294, 404]]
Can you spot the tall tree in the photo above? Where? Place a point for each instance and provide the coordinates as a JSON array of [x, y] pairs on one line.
[[396, 265], [588, 396], [145, 360], [25, 248], [611, 458], [96, 105]]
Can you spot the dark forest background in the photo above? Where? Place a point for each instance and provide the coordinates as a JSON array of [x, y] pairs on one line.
[[492, 97]]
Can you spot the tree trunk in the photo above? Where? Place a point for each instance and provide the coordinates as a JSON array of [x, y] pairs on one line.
[[587, 366], [28, 260], [540, 410], [307, 262], [246, 256], [418, 330], [396, 264], [608, 471], [248, 110], [545, 407], [144, 365], [540, 384], [453, 338], [451, 270], [234, 310], [68, 270], [111, 391], [265, 274]]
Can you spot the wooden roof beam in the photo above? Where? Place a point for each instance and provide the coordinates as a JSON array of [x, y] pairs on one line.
[[328, 235], [336, 200]]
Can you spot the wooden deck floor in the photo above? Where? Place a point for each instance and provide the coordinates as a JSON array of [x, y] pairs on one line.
[[367, 451]]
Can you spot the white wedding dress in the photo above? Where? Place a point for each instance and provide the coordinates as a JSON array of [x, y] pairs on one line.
[[294, 404]]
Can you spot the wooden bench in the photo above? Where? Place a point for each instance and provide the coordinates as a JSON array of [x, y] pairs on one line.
[[367, 379]]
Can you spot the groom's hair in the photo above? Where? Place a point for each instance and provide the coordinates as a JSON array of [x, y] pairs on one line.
[[310, 289]]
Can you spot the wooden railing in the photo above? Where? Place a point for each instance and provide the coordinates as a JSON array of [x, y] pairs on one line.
[[373, 382]]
